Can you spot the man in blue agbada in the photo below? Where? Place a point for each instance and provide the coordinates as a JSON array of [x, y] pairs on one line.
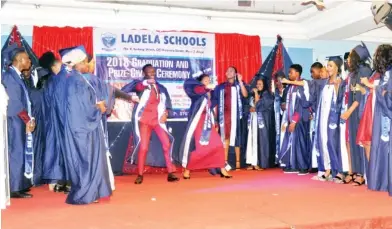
[[86, 156], [21, 123]]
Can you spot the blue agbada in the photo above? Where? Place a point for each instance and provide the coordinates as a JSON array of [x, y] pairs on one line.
[[84, 143], [155, 155], [379, 176], [54, 167], [16, 128]]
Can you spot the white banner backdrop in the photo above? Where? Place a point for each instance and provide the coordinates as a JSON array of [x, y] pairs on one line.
[[176, 56]]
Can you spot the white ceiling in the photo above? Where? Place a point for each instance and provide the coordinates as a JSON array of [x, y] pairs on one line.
[[258, 6], [349, 19]]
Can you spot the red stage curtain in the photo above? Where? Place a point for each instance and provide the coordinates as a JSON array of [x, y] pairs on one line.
[[55, 38], [240, 51]]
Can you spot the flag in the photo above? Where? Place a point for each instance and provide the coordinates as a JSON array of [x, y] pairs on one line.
[[277, 61], [16, 37]]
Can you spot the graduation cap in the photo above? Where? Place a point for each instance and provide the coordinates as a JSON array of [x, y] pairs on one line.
[[362, 51], [336, 59], [73, 55]]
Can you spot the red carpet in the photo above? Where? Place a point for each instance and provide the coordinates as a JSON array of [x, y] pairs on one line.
[[251, 200]]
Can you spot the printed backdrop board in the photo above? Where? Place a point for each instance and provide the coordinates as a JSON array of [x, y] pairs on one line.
[[176, 56]]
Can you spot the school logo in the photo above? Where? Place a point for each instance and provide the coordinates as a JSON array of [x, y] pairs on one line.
[[109, 40]]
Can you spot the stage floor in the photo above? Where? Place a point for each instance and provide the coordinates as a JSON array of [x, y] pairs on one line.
[[251, 200]]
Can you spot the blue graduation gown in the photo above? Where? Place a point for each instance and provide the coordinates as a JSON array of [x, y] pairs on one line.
[[266, 130], [358, 161], [218, 100], [155, 155], [295, 148], [16, 130], [332, 129], [54, 166], [388, 100], [378, 175], [39, 134], [199, 107], [84, 143]]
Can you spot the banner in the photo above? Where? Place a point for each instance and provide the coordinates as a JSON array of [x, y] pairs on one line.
[[176, 56]]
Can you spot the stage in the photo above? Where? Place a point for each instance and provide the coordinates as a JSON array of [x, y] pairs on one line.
[[252, 199]]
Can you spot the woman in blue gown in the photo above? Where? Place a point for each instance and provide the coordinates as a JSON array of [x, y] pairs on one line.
[[201, 147], [260, 151], [358, 67], [377, 177]]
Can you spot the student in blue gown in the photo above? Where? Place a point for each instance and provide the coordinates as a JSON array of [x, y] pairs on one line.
[[386, 92], [378, 173], [84, 137], [39, 113], [327, 136], [260, 153], [105, 92], [358, 68], [319, 76], [228, 98], [295, 151], [20, 124], [278, 90], [201, 147], [54, 167]]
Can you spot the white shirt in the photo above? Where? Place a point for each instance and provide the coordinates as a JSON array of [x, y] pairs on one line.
[[17, 71]]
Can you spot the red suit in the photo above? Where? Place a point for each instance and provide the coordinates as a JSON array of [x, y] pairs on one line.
[[149, 122]]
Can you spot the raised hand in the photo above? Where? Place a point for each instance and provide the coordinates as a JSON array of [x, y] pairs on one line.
[[239, 77]]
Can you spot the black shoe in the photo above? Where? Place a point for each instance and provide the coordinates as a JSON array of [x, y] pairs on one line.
[[288, 170], [313, 170], [225, 176], [303, 172], [172, 178], [139, 179], [58, 188], [67, 189], [26, 190], [20, 195]]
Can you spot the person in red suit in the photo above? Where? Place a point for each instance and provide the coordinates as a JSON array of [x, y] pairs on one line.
[[149, 117]]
